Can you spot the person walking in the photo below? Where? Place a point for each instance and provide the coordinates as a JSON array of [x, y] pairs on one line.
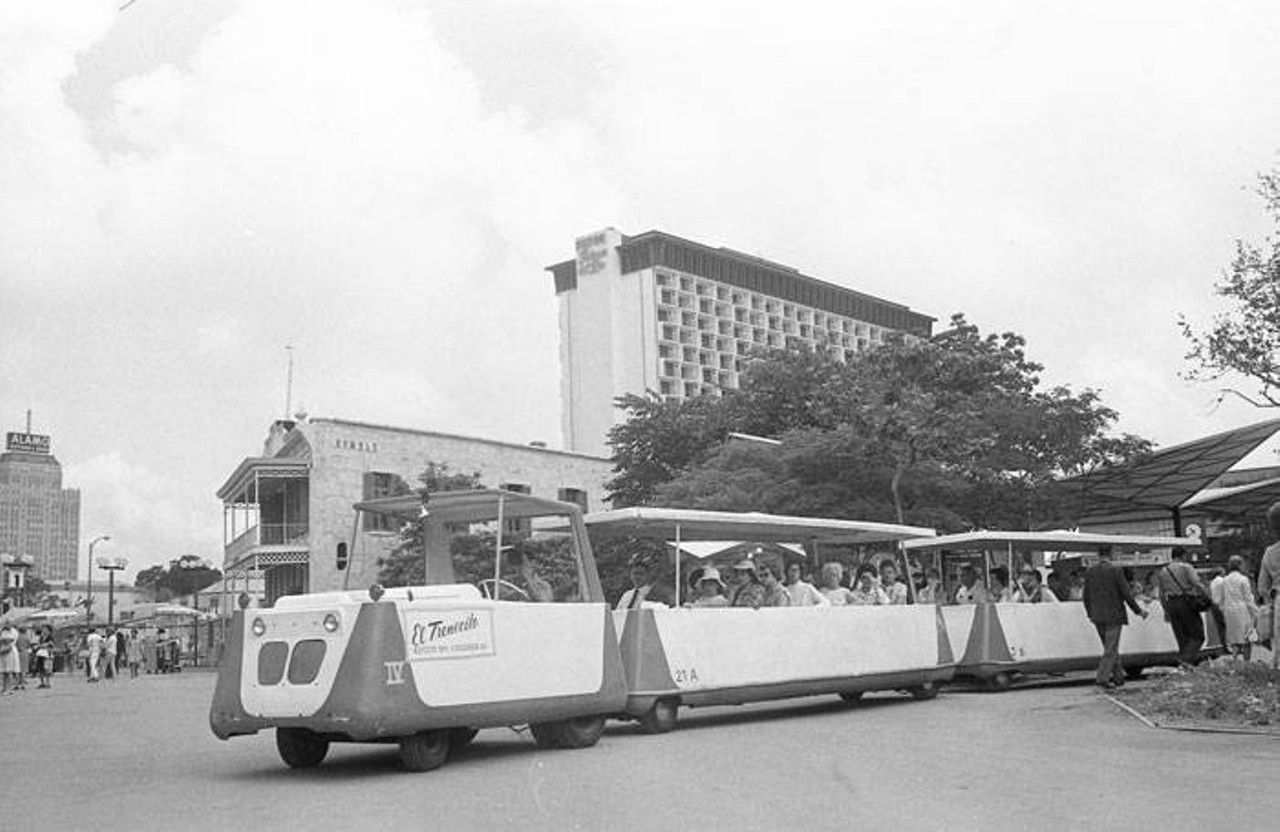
[[1181, 592], [1105, 594], [1269, 583], [8, 658], [1233, 595], [92, 650], [44, 657], [23, 646], [109, 647], [133, 650]]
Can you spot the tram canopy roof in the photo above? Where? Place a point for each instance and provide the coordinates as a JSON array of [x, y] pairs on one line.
[[1055, 541], [475, 506], [693, 524], [1169, 477]]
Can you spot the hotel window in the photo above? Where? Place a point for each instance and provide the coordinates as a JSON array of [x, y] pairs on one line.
[[666, 388], [686, 284], [667, 296], [520, 527], [381, 484], [573, 495]]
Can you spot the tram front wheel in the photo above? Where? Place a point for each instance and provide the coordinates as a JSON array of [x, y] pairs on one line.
[[999, 682], [425, 750], [660, 718], [851, 695], [300, 747]]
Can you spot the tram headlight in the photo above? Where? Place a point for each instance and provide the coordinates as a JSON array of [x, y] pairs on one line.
[[331, 623], [258, 627]]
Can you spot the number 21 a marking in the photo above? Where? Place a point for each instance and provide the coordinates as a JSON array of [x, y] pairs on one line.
[[686, 676]]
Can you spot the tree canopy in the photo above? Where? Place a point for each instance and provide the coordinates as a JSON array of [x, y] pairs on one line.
[[952, 431], [179, 577], [1244, 342]]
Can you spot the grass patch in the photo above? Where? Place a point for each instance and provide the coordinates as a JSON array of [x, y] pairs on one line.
[[1221, 692]]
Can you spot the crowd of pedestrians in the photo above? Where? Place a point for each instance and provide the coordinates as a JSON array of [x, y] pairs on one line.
[[109, 653]]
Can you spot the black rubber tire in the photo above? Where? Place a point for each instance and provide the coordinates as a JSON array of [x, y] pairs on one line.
[[300, 747], [425, 750], [546, 734], [927, 690], [581, 731], [999, 682], [660, 718], [1134, 673], [460, 738], [851, 695]]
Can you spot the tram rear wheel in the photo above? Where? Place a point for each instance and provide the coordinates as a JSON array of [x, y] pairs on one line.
[[851, 695], [460, 738], [660, 718], [578, 732], [999, 682], [1134, 673], [927, 690], [425, 750], [300, 747]]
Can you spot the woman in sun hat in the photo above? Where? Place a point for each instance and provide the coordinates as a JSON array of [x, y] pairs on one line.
[[710, 589]]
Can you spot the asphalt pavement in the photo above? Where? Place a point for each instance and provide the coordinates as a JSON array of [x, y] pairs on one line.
[[138, 755]]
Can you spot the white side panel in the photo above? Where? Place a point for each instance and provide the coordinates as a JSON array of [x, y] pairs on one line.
[[719, 648], [538, 650], [959, 622], [1037, 632]]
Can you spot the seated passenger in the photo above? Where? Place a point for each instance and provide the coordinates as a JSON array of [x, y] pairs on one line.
[[999, 592], [538, 589], [929, 591], [710, 589], [832, 575], [891, 584], [865, 591], [803, 593], [746, 590], [646, 584], [971, 590], [775, 594], [1029, 589]]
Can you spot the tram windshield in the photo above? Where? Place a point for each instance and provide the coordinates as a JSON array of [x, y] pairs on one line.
[[510, 546]]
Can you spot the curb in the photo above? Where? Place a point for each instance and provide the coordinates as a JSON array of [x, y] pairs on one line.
[[1194, 729]]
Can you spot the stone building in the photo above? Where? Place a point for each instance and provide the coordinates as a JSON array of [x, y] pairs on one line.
[[288, 515]]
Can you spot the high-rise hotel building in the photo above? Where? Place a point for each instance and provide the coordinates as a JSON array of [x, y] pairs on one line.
[[39, 518], [657, 312]]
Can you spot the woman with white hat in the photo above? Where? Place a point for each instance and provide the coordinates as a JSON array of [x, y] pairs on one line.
[[710, 589]]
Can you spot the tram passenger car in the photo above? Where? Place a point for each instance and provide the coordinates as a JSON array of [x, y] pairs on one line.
[[679, 656], [425, 667], [996, 643]]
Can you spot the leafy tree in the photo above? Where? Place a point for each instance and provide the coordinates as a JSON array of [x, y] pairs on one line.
[[1245, 342], [658, 440], [947, 432], [181, 576]]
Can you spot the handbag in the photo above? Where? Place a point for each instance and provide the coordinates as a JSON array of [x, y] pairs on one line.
[[1196, 597]]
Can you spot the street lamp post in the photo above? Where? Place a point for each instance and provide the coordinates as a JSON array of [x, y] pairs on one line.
[[112, 566], [88, 594]]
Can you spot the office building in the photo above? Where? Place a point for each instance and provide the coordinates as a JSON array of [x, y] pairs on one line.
[[39, 519], [655, 312]]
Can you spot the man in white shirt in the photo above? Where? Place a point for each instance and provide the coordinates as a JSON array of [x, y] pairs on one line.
[[646, 583], [93, 650], [803, 594], [971, 591]]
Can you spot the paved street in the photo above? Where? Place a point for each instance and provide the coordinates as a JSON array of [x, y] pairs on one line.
[[139, 755]]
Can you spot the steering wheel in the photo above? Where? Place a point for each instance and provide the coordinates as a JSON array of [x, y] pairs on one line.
[[488, 585]]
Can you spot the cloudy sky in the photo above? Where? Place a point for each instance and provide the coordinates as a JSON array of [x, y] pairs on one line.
[[185, 188]]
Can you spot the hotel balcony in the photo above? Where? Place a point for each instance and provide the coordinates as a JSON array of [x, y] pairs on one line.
[[265, 514]]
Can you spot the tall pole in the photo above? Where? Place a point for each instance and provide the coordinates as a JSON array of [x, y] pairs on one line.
[[112, 566], [88, 595]]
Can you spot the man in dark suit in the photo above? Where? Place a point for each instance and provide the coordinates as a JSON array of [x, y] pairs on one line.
[[1106, 593]]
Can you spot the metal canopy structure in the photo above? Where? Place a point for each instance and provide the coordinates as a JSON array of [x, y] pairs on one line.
[[1171, 476], [689, 524], [475, 506], [1251, 499], [1056, 541]]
